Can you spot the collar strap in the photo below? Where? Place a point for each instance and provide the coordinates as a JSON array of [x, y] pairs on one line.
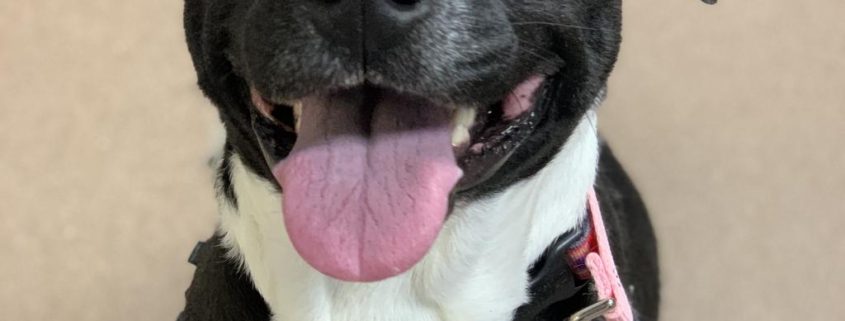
[[611, 293], [577, 276]]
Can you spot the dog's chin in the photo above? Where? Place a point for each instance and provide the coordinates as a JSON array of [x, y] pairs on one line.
[[368, 173]]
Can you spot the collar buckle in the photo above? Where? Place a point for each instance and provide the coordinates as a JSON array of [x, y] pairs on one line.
[[594, 311]]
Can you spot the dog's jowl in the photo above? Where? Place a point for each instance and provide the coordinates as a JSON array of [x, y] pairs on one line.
[[416, 160]]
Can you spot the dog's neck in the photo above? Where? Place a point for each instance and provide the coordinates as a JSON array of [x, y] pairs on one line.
[[476, 270]]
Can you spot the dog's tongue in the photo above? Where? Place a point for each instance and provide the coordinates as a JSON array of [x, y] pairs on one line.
[[366, 188]]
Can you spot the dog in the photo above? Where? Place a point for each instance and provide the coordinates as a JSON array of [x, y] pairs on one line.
[[413, 160]]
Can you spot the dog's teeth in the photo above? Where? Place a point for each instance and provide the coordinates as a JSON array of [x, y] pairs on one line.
[[463, 116], [297, 112], [460, 136], [462, 120]]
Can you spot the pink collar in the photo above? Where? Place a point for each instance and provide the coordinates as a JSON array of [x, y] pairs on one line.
[[612, 302]]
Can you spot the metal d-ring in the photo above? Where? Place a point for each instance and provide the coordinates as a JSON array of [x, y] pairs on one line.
[[594, 311]]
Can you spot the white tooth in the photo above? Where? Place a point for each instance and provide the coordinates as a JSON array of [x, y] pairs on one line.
[[463, 116], [460, 136], [297, 112], [462, 120]]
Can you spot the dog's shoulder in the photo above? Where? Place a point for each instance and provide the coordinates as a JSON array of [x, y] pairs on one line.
[[631, 234]]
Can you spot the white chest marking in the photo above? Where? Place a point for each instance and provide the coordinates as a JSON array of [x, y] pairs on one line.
[[476, 270]]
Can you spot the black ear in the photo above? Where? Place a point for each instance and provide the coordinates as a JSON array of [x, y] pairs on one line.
[[709, 1]]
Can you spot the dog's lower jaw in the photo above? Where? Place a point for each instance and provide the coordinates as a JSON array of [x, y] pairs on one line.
[[476, 270]]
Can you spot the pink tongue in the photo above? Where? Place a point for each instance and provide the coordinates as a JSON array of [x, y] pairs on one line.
[[366, 207]]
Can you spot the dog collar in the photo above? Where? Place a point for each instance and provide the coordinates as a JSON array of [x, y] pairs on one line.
[[613, 302], [577, 276]]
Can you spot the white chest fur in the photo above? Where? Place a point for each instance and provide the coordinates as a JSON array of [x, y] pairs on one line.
[[476, 270]]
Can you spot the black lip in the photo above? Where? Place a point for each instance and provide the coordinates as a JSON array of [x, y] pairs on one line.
[[499, 138], [276, 141]]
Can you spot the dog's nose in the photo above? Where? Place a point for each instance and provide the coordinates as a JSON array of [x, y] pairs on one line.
[[386, 22], [374, 24]]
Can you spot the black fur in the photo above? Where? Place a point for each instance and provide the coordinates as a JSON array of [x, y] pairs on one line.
[[631, 235], [220, 290]]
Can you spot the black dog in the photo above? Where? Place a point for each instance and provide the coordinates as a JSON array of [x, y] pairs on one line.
[[411, 160]]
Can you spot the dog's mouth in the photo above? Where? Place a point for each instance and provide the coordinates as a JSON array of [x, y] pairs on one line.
[[367, 183]]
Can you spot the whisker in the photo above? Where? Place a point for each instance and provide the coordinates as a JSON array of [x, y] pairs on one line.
[[536, 51], [548, 23], [539, 56]]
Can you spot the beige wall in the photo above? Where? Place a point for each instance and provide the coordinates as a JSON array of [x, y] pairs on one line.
[[730, 119]]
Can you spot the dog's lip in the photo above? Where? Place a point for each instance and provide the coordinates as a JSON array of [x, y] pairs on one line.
[[493, 135], [499, 131], [283, 115], [264, 106]]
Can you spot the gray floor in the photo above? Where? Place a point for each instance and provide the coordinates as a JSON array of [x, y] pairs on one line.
[[730, 119]]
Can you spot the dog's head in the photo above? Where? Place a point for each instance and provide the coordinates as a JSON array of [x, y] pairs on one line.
[[373, 117]]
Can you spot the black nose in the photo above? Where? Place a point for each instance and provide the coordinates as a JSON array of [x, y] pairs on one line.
[[375, 25]]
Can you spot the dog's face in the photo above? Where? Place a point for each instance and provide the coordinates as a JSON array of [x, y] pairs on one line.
[[374, 117]]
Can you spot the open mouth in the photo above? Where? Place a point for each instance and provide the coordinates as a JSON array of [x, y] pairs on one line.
[[368, 178]]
